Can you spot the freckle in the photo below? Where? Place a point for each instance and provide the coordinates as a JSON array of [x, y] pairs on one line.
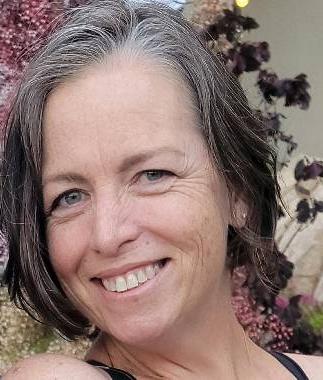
[[147, 242]]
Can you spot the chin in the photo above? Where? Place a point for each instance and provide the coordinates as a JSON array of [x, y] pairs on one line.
[[140, 331]]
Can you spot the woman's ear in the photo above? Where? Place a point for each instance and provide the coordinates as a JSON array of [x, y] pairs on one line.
[[239, 212]]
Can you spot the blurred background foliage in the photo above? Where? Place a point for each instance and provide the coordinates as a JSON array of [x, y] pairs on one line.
[[20, 336]]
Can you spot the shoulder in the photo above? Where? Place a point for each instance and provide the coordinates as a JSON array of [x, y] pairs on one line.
[[311, 365], [53, 366]]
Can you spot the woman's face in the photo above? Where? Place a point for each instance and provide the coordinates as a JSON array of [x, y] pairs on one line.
[[137, 218]]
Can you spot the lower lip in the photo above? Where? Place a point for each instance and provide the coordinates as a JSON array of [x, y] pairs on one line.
[[147, 287]]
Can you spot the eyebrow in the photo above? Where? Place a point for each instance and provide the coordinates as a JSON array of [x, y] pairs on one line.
[[126, 164], [141, 157]]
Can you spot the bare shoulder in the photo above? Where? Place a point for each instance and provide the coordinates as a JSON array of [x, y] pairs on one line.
[[311, 365], [54, 366]]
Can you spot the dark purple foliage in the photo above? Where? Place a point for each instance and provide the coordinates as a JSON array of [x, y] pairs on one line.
[[315, 169], [299, 170], [303, 210], [308, 209], [281, 271], [318, 205], [304, 339], [268, 83], [292, 312], [295, 91], [230, 25], [245, 57], [248, 57], [305, 171]]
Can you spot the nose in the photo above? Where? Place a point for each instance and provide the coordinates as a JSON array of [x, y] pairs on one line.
[[113, 230]]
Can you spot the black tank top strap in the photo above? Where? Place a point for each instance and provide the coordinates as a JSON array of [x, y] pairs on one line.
[[115, 373], [290, 364], [286, 361]]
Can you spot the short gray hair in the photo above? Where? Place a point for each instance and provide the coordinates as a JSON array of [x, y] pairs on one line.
[[235, 138]]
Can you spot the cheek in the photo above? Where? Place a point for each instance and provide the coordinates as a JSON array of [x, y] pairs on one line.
[[192, 224], [66, 243]]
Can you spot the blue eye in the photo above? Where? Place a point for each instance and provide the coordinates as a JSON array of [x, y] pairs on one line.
[[155, 175], [71, 198], [67, 199]]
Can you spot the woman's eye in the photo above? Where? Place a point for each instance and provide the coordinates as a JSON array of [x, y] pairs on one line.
[[154, 180], [71, 198], [155, 175], [68, 199]]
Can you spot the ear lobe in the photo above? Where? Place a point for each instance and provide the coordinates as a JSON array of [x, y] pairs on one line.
[[239, 213]]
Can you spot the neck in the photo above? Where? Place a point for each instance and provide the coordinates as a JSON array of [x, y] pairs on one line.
[[209, 345]]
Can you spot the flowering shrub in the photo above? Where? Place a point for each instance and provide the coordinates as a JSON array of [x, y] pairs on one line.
[[263, 326], [308, 329], [23, 23], [292, 324]]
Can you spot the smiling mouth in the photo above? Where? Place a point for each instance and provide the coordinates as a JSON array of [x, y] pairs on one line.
[[134, 278]]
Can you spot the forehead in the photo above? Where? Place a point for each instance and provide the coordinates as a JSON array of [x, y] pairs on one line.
[[118, 106]]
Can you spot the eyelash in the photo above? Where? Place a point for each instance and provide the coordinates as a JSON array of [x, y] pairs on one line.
[[160, 171], [56, 201]]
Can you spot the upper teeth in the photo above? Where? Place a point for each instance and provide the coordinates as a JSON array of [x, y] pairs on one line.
[[132, 279]]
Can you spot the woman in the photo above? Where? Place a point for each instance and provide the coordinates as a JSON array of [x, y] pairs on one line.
[[134, 179]]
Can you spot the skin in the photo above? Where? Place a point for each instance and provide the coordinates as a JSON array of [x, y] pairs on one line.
[[121, 215], [123, 218], [53, 367]]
